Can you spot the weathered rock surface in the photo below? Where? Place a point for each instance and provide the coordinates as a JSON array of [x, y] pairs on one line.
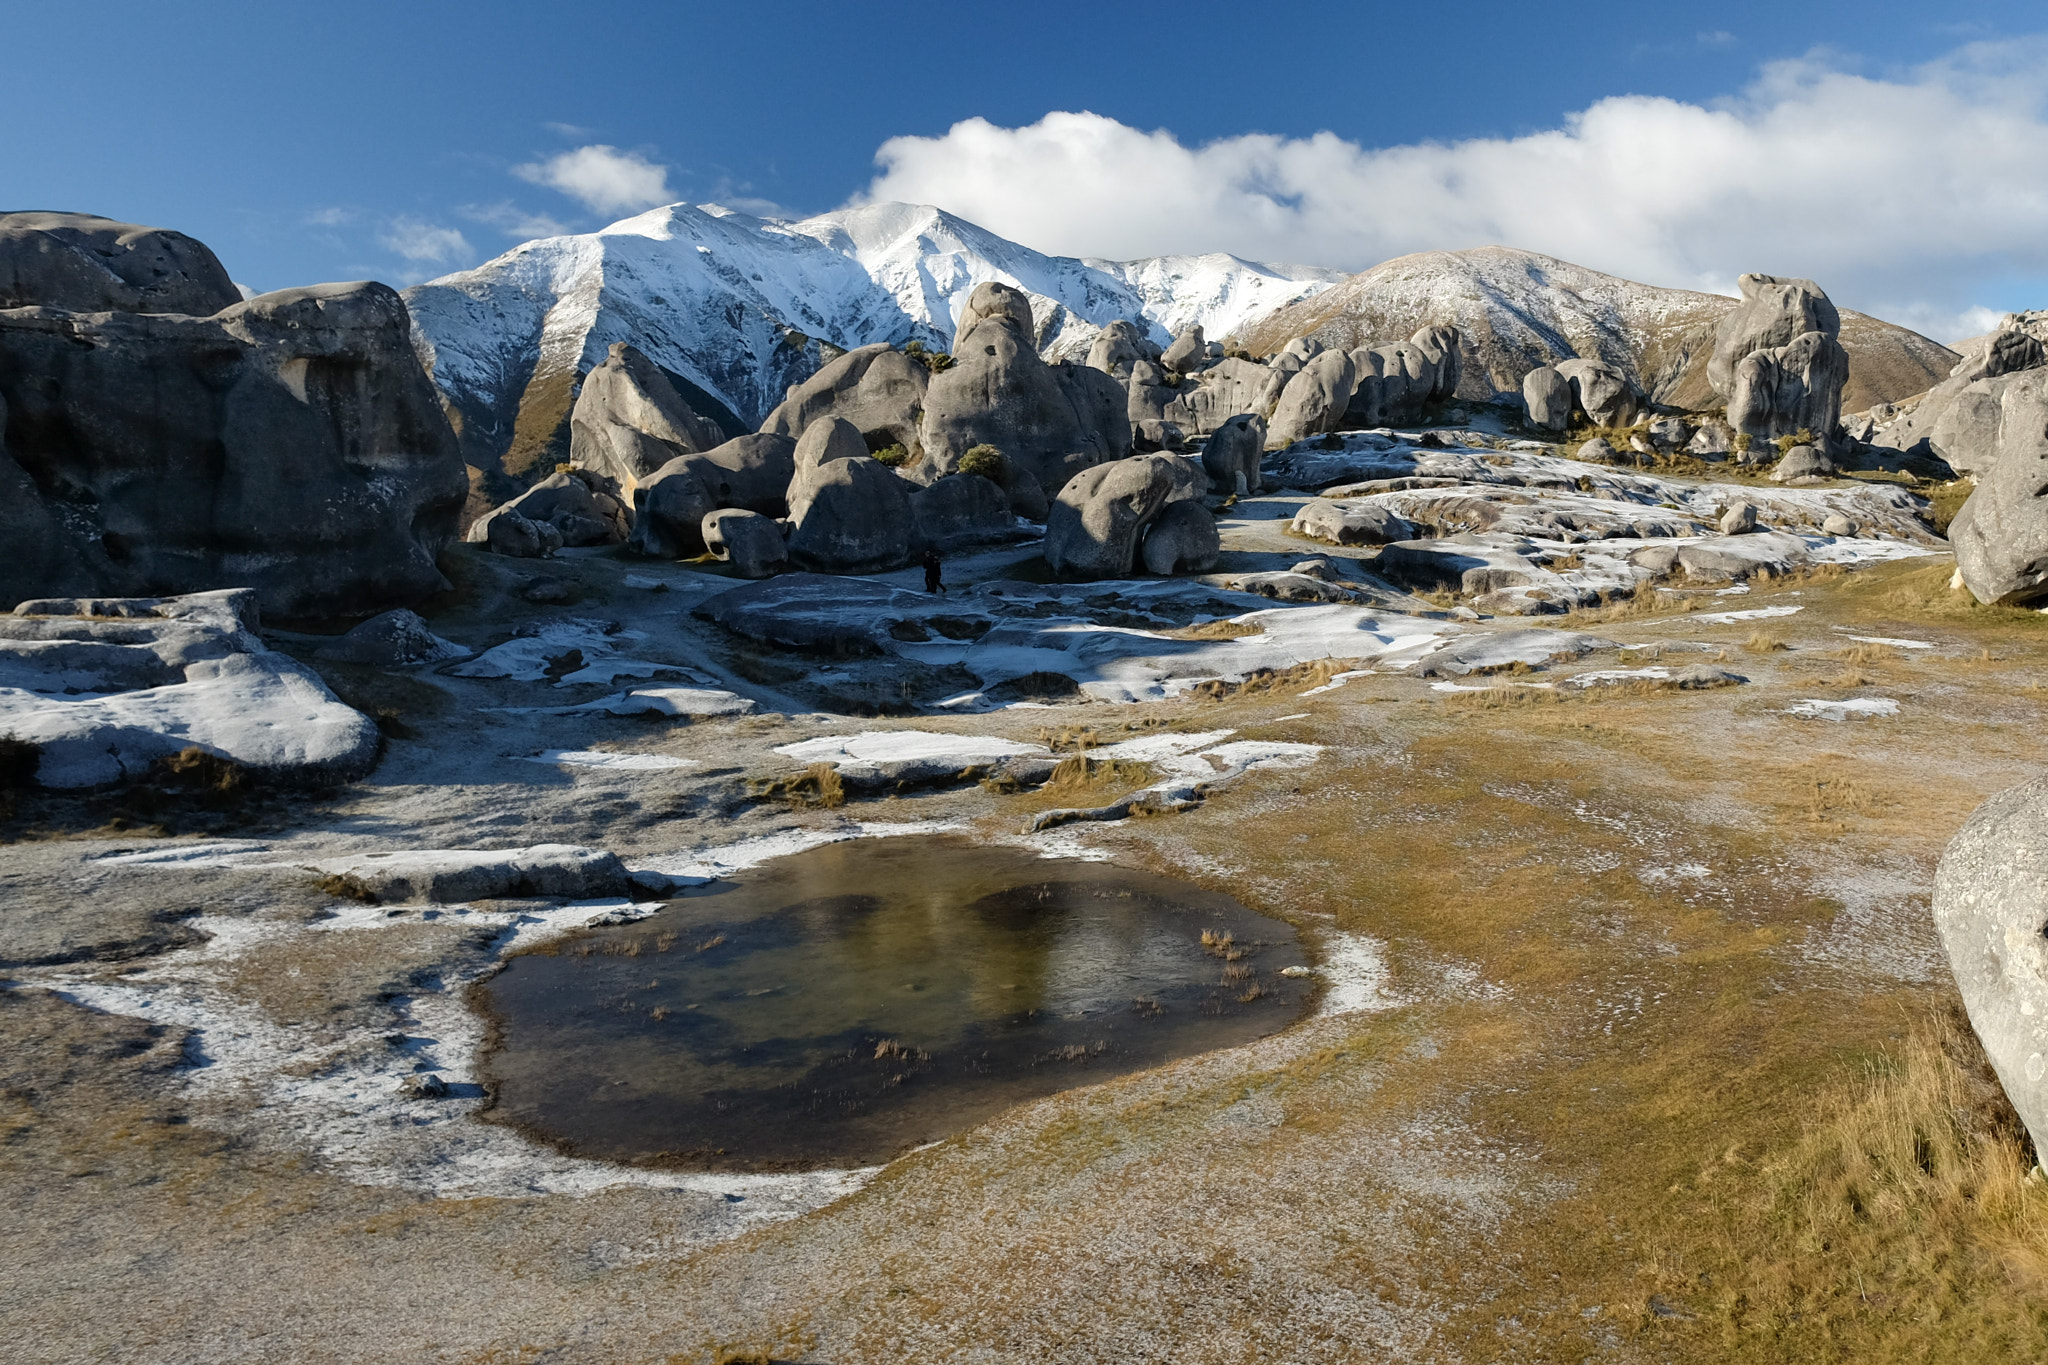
[[1547, 399], [1783, 390], [1772, 314], [829, 614], [1095, 526], [848, 512], [1739, 519], [1316, 399], [961, 510], [583, 506], [106, 696], [1227, 389], [86, 264], [1188, 352], [751, 543], [509, 533], [1050, 421], [1991, 908], [1231, 457], [1803, 462], [993, 299], [629, 420], [1181, 539], [1117, 349], [289, 443], [457, 876], [397, 638], [2001, 534], [1602, 392], [877, 388], [669, 507], [1351, 523]]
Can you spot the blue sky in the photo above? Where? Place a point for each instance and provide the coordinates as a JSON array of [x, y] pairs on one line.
[[397, 141]]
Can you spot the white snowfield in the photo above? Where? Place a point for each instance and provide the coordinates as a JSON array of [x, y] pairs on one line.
[[1856, 708]]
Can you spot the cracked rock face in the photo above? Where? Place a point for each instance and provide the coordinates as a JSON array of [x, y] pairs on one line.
[[1991, 906]]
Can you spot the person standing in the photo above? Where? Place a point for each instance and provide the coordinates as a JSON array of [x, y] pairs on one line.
[[931, 572]]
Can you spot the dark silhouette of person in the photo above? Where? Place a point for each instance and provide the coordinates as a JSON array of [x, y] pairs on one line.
[[931, 572]]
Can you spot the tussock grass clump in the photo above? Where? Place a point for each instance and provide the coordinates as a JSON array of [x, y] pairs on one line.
[[817, 787], [1070, 739], [1864, 653], [1645, 601], [1765, 642], [1081, 773], [345, 886], [194, 767], [1268, 680], [1216, 630]]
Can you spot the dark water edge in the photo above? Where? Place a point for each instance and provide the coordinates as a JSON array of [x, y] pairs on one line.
[[841, 1006]]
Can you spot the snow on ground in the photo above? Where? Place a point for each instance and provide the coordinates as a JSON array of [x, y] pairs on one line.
[[591, 646], [594, 758], [1729, 618], [1859, 708]]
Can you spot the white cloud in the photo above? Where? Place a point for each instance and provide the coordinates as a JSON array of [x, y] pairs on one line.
[[420, 241], [1917, 195], [514, 221], [604, 179]]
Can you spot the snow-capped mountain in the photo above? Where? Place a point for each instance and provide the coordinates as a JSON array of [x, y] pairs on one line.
[[1519, 310], [739, 308]]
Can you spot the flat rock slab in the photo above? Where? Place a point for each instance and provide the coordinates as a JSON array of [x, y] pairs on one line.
[[106, 696], [455, 876], [878, 757], [831, 614]]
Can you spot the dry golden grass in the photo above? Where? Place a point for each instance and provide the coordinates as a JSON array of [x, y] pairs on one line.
[[1765, 642], [1265, 681], [1078, 773], [818, 787], [1864, 653], [1215, 630]]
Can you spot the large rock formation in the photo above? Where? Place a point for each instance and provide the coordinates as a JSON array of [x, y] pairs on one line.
[[1602, 392], [1049, 421], [105, 689], [290, 443], [2001, 534], [1189, 351], [1095, 528], [1118, 349], [1315, 400], [1772, 313], [1397, 380], [669, 507], [629, 420], [1991, 907], [1547, 399], [1227, 389], [877, 388], [848, 512], [1958, 419], [84, 264], [583, 506], [961, 510], [751, 543], [1231, 458]]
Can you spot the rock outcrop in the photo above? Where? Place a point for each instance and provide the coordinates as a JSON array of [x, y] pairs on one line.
[[629, 420], [1181, 539], [848, 512], [1095, 527], [2001, 534], [1118, 348], [1547, 399], [1315, 399], [1231, 457], [289, 443], [1189, 351], [751, 543], [395, 639], [1773, 313], [583, 506], [1785, 390], [1229, 388], [86, 264], [750, 472], [877, 388], [1957, 420], [106, 689], [961, 510], [1050, 421], [1991, 908], [1602, 392]]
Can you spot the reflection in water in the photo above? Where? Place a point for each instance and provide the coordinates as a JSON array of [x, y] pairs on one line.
[[839, 1006]]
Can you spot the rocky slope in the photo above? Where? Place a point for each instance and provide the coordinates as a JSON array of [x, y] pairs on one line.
[[739, 308], [1519, 310]]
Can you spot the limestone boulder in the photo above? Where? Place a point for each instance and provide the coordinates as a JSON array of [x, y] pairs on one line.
[[1151, 435], [1602, 392], [1351, 523], [1181, 539], [1050, 421], [2001, 534], [751, 543], [508, 533], [1739, 519], [749, 472], [1782, 390], [1803, 462], [1117, 349], [1188, 352], [877, 388], [393, 639], [961, 510], [583, 506], [290, 443], [1229, 388], [81, 263], [1773, 312], [1837, 525], [1991, 909], [1443, 345], [1712, 442], [848, 512], [1547, 399], [993, 299], [1231, 457], [1097, 523], [1670, 433], [1315, 400], [629, 420]]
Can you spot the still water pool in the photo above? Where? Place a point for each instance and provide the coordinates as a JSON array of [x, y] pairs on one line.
[[840, 1006]]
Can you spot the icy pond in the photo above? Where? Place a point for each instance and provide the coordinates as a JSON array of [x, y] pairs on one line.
[[840, 1006]]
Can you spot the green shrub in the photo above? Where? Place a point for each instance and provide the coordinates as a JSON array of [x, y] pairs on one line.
[[1801, 437], [986, 461], [938, 362], [1742, 441], [893, 455]]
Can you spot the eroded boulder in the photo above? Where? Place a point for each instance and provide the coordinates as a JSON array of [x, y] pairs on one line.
[[1785, 390], [629, 420], [1351, 523], [1231, 457], [848, 512], [1315, 400], [749, 472], [82, 263], [1188, 352], [751, 543], [962, 510], [1094, 527], [583, 506], [1773, 312], [1603, 393], [2001, 534], [1547, 399], [877, 388], [1117, 349], [1181, 539]]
